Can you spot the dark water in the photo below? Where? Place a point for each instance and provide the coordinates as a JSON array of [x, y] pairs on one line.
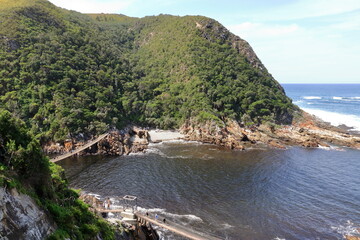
[[256, 194]]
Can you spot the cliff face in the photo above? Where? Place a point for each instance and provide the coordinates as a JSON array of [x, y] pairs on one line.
[[214, 31], [21, 218]]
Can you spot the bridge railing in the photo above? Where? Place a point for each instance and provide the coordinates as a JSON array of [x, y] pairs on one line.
[[176, 228], [76, 151]]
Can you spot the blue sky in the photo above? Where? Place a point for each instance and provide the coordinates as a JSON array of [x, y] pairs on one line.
[[299, 41]]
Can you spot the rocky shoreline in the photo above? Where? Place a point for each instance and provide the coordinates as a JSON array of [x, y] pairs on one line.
[[308, 132]]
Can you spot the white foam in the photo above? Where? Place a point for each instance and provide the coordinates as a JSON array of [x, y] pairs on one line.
[[325, 148], [348, 229], [277, 238], [336, 119], [186, 216], [226, 225], [138, 153], [311, 97], [337, 98], [150, 210], [162, 211], [346, 98]]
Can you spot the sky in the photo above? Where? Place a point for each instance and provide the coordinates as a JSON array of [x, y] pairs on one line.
[[299, 41]]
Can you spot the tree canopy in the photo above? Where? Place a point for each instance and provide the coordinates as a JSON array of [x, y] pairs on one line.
[[65, 73]]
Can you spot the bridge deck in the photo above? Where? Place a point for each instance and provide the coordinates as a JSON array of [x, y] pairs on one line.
[[175, 228], [180, 230], [76, 151]]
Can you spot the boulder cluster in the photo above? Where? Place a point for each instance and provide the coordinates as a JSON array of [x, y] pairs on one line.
[[118, 142]]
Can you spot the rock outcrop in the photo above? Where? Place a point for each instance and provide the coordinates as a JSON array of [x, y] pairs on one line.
[[230, 136], [309, 132], [118, 142], [21, 218]]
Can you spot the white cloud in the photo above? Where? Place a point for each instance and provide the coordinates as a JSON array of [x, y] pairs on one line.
[[303, 9], [304, 54], [93, 6]]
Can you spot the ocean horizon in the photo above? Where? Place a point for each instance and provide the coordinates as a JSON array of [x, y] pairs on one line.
[[338, 104]]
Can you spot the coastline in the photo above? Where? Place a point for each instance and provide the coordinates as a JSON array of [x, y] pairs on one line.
[[307, 131]]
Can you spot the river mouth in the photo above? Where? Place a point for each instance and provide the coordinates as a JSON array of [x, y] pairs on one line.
[[254, 194]]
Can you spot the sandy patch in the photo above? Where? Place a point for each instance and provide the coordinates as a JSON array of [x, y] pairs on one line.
[[164, 135]]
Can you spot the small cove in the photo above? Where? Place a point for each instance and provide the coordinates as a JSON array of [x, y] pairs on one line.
[[255, 194]]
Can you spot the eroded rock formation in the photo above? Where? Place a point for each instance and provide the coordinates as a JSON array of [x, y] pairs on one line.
[[118, 142], [308, 132], [21, 218]]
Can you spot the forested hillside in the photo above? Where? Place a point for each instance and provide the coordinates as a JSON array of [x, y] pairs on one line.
[[24, 167], [65, 73]]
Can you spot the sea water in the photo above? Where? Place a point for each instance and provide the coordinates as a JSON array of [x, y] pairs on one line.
[[262, 193], [338, 104], [296, 193]]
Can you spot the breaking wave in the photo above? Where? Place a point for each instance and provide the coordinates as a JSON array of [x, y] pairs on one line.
[[346, 98], [311, 97], [163, 212], [337, 119]]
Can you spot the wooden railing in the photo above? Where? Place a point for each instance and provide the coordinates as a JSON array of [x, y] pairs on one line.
[[76, 151]]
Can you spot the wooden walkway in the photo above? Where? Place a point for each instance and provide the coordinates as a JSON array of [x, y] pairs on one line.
[[180, 230], [175, 228], [76, 151]]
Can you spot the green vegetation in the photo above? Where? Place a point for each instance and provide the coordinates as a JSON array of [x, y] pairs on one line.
[[23, 166], [66, 74]]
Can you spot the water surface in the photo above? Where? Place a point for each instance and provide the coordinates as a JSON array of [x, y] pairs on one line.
[[255, 194]]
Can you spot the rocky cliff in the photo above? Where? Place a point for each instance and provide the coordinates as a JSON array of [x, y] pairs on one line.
[[308, 131], [21, 218]]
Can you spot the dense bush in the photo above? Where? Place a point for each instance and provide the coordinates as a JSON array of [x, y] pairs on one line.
[[65, 73], [23, 166]]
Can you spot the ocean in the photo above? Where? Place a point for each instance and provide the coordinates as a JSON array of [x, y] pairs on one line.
[[260, 193], [338, 104]]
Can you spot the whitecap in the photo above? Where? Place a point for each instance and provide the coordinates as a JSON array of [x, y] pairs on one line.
[[337, 98], [150, 210], [185, 216], [312, 97], [161, 211], [337, 119]]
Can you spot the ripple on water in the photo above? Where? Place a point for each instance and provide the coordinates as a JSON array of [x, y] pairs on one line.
[[293, 194]]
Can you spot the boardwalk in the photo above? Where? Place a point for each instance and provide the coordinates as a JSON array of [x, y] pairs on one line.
[[173, 227], [66, 155], [176, 228]]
